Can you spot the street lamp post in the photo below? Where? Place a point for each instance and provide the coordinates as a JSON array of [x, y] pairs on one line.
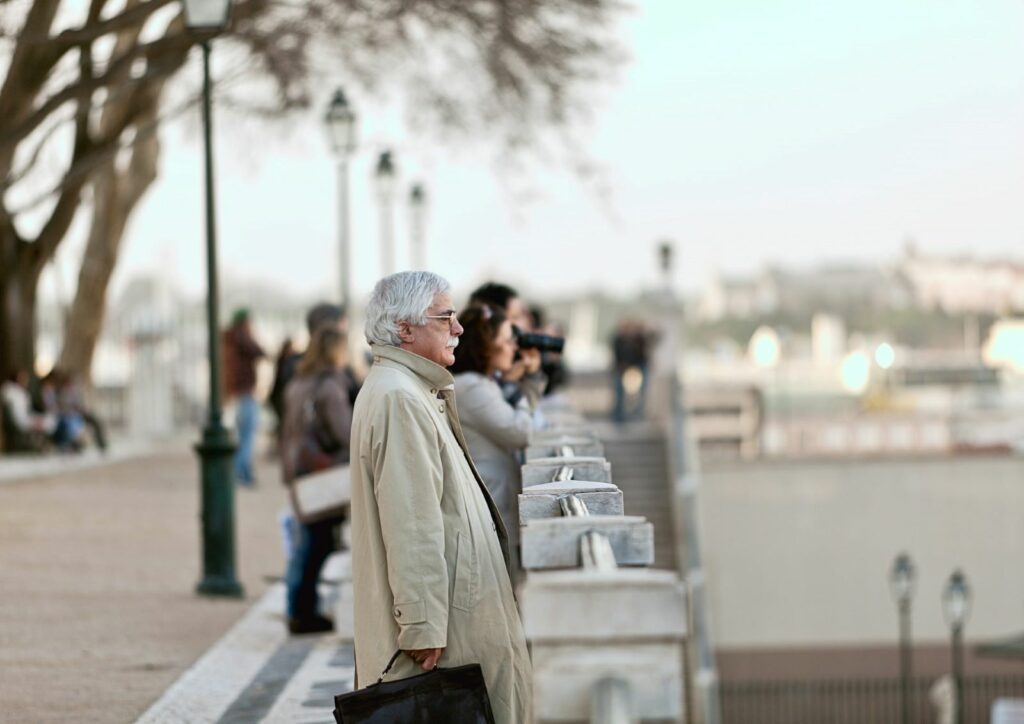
[[209, 17], [341, 129], [956, 604], [418, 207], [386, 178], [901, 582]]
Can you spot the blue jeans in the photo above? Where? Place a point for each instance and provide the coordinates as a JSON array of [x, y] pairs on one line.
[[315, 544], [247, 417]]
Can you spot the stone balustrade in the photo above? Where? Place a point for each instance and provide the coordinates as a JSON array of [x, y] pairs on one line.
[[606, 633]]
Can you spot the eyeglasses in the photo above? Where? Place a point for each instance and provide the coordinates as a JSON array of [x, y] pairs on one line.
[[450, 316]]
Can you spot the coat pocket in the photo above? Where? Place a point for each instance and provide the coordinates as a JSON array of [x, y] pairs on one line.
[[411, 612], [464, 591]]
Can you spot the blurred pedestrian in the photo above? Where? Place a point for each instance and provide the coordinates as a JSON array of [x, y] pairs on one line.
[[25, 430], [71, 401], [631, 345], [323, 314], [241, 354], [315, 437], [69, 434], [496, 433], [276, 397], [552, 364], [429, 548]]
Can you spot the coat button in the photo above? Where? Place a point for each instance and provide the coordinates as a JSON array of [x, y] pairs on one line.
[[440, 408], [433, 390], [398, 613]]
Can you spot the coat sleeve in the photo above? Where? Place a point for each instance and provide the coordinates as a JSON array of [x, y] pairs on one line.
[[487, 412], [408, 484]]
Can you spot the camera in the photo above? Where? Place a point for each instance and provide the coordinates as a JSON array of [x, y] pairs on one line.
[[541, 342]]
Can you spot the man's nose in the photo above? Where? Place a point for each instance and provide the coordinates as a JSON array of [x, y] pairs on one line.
[[456, 328]]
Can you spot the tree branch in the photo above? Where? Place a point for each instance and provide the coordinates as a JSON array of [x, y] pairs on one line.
[[133, 17], [83, 88]]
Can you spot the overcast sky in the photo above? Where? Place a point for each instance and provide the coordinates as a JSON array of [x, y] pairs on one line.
[[750, 132]]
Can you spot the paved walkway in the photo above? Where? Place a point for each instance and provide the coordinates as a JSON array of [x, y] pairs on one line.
[[257, 674], [97, 570], [98, 622]]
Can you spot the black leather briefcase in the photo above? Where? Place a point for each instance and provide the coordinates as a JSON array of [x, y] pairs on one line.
[[452, 696]]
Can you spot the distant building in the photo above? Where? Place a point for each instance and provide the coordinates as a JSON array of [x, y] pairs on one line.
[[834, 288], [738, 297], [953, 284], [964, 284]]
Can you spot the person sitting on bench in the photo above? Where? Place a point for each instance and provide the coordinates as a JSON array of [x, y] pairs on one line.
[[24, 429]]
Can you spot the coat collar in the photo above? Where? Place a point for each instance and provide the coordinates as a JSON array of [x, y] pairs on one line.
[[430, 374]]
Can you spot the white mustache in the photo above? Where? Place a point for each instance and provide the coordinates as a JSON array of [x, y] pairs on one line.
[[453, 342]]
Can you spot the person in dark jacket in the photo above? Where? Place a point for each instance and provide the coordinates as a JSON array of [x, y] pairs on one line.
[[241, 354], [315, 436]]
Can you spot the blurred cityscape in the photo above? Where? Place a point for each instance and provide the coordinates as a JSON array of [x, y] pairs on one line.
[[920, 354]]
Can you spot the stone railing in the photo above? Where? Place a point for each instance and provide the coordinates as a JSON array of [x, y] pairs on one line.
[[606, 632]]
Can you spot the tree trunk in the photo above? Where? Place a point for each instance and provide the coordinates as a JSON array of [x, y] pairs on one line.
[[17, 318], [115, 196]]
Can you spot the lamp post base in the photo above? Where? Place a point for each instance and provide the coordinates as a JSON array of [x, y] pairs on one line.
[[216, 451], [220, 586]]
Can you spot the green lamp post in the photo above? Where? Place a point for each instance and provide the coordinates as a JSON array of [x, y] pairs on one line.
[[207, 18], [956, 604], [902, 578], [340, 120]]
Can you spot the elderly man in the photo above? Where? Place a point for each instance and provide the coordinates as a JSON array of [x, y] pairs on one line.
[[429, 551]]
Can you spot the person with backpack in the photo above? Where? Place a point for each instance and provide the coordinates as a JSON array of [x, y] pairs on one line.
[[315, 437]]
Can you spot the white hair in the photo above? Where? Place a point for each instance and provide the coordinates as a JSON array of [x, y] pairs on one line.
[[402, 297]]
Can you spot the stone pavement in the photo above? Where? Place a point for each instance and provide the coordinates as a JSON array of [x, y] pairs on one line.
[[97, 570], [256, 673], [98, 622]]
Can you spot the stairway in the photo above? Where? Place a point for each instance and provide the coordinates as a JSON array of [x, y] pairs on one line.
[[639, 458]]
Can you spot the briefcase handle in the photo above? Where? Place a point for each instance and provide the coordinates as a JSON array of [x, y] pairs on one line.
[[392, 663]]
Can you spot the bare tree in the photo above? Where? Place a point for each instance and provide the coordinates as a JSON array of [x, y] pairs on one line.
[[81, 102]]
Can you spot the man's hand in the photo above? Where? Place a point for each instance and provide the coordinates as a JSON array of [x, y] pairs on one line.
[[426, 658]]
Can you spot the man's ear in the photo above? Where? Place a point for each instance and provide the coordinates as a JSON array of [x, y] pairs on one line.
[[405, 333]]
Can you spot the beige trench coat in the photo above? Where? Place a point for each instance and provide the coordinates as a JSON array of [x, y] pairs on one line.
[[429, 551]]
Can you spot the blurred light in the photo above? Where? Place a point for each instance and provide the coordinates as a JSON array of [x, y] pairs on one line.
[[855, 372], [206, 15], [885, 355], [901, 578], [1005, 345], [340, 120], [764, 347], [956, 599]]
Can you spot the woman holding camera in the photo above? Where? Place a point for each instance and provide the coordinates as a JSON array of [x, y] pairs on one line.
[[495, 431]]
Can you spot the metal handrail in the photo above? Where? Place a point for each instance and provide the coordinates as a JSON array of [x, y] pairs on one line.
[[596, 553], [573, 505], [563, 474]]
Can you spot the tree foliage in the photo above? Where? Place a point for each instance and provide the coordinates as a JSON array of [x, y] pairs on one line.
[[86, 85]]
